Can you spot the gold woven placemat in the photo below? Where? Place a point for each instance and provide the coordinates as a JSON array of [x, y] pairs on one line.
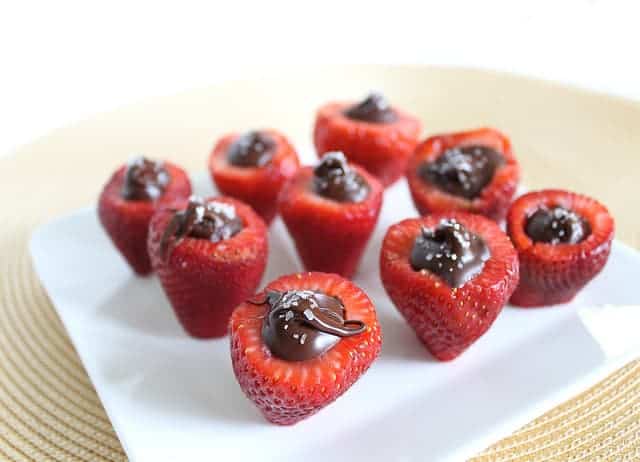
[[48, 407]]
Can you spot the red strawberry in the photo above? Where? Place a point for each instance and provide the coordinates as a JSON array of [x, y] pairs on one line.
[[449, 306], [210, 256], [371, 134], [331, 233], [563, 241], [287, 391], [129, 199], [486, 190], [253, 167]]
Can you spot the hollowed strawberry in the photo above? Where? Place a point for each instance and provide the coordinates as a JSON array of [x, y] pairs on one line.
[[448, 306], [289, 390], [253, 167], [474, 171], [210, 256], [372, 134], [563, 241], [125, 206]]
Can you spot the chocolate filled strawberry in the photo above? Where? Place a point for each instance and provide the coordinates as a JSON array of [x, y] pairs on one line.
[[301, 343], [129, 199], [331, 211], [210, 255], [371, 133], [253, 167], [449, 275], [563, 241], [473, 171]]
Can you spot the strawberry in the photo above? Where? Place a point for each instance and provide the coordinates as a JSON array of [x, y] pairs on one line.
[[373, 134], [253, 167], [330, 212], [449, 275], [473, 171], [563, 241], [210, 255], [129, 199], [289, 378]]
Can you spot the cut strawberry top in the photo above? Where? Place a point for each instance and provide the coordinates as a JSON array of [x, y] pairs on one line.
[[245, 241], [487, 191], [288, 391], [301, 192], [597, 216], [401, 237], [177, 186], [258, 185]]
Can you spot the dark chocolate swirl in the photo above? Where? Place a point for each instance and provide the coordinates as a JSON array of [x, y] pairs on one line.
[[303, 324], [334, 179], [449, 251], [374, 109], [463, 171], [213, 221], [144, 179], [557, 225]]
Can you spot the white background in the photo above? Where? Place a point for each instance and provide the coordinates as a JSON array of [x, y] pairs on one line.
[[61, 61]]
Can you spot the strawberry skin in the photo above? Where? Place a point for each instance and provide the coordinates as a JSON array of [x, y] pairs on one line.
[[329, 236], [553, 274], [258, 187], [127, 221], [447, 320], [494, 200], [383, 149], [289, 391], [206, 280]]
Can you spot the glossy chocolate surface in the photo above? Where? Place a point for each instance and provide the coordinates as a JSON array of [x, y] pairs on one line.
[[144, 180], [213, 221], [463, 171], [252, 149], [451, 252], [557, 225], [374, 109], [303, 324], [334, 179]]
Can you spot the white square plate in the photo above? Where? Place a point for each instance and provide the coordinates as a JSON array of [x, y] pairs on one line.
[[173, 398]]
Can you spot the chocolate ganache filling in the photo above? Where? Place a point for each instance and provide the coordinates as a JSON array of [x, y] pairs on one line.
[[463, 171], [144, 179], [334, 179], [557, 225], [213, 221], [374, 108], [252, 149], [451, 252], [303, 324]]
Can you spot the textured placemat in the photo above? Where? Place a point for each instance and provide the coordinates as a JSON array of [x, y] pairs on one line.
[[48, 407]]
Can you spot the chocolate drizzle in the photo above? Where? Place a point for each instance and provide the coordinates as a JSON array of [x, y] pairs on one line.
[[334, 179], [303, 324], [144, 180], [463, 171], [557, 225], [213, 221], [449, 251], [253, 149], [374, 108]]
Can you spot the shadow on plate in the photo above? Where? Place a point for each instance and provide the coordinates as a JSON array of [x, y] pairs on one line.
[[140, 304], [399, 341], [186, 384]]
